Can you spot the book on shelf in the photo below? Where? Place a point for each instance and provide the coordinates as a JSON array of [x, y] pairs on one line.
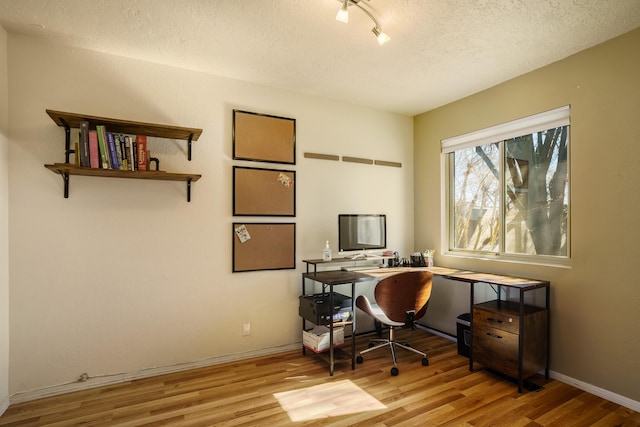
[[127, 152], [141, 151], [84, 144], [115, 164], [103, 147], [77, 154], [94, 152], [108, 150], [122, 152], [119, 152], [134, 154]]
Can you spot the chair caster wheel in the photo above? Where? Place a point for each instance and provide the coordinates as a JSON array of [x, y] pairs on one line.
[[425, 362], [394, 371], [359, 359], [371, 344]]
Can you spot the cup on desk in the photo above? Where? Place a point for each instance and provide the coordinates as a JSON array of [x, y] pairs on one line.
[[417, 260]]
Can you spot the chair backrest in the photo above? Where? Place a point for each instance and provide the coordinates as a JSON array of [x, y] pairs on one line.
[[404, 292]]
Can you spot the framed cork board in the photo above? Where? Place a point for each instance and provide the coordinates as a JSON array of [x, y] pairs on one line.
[[265, 192], [263, 137], [264, 246]]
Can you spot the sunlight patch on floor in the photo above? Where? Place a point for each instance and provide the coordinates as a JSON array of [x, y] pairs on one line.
[[327, 400]]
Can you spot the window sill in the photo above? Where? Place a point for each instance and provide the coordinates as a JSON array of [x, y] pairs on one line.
[[545, 261]]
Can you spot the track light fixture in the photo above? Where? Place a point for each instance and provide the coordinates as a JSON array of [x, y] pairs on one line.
[[343, 16], [343, 13], [382, 37]]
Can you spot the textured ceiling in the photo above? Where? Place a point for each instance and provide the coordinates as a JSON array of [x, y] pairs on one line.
[[440, 50]]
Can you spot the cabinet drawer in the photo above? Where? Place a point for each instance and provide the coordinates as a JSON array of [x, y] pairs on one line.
[[501, 320], [495, 348]]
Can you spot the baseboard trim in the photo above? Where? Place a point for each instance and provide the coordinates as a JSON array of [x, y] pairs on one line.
[[100, 381], [597, 391], [437, 332], [4, 405], [103, 380]]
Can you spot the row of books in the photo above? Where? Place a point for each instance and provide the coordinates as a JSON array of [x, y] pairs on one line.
[[106, 150]]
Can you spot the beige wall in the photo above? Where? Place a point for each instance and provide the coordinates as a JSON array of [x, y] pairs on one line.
[[596, 303], [125, 275], [4, 227]]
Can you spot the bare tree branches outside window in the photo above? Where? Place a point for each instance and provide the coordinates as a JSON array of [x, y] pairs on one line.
[[517, 205]]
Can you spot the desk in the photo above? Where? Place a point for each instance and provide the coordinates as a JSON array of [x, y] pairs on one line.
[[522, 330], [512, 338]]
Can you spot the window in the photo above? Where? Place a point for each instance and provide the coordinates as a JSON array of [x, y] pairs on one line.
[[508, 190]]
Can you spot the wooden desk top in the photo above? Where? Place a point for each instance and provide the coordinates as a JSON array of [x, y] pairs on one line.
[[334, 277], [496, 279], [337, 277]]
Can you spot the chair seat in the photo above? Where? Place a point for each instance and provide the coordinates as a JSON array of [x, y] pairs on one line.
[[400, 300], [375, 311]]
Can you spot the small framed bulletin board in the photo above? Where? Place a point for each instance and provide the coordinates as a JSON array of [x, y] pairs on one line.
[[264, 246], [263, 137], [268, 192]]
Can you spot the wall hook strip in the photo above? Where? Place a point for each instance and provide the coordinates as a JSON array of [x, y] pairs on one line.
[[322, 156]]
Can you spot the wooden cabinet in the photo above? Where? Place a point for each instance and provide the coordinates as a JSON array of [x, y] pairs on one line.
[[510, 337], [73, 120]]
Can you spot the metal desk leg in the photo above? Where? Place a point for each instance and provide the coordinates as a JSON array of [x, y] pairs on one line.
[[353, 326], [520, 341], [304, 350], [331, 330], [546, 369], [471, 300]]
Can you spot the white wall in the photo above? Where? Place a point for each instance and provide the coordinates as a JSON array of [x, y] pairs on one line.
[[126, 275], [4, 227]]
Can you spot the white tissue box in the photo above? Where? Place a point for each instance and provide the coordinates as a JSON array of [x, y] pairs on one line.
[[317, 339]]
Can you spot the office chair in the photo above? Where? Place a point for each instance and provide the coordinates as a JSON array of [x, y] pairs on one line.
[[400, 301]]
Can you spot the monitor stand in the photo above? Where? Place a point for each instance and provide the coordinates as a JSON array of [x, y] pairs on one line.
[[364, 255]]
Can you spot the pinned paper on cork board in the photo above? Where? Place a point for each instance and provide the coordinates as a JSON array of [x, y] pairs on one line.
[[264, 246], [263, 192], [242, 233]]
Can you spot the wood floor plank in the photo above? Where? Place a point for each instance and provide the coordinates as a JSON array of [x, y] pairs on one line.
[[243, 393]]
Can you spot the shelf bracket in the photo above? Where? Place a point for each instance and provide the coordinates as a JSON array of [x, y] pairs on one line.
[[67, 142], [189, 147], [188, 190], [65, 178]]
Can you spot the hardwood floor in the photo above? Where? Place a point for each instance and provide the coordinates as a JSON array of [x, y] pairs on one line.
[[246, 393]]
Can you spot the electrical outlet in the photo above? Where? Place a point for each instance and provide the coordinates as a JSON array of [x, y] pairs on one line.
[[246, 329]]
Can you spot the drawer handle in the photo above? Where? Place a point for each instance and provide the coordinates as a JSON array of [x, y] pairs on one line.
[[494, 335], [491, 319]]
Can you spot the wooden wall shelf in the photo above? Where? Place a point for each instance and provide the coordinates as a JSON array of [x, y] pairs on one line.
[[73, 120], [71, 169]]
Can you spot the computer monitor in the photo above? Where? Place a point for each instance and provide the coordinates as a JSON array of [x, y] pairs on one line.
[[362, 232]]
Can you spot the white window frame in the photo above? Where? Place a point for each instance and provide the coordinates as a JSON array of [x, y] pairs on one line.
[[546, 120]]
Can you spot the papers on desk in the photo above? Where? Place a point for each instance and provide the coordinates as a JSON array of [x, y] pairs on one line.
[[360, 267]]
